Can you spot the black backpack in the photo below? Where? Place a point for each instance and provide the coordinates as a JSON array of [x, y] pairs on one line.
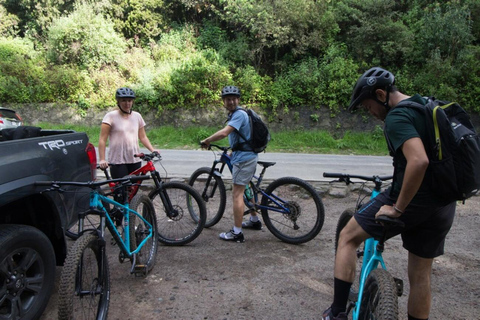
[[259, 134], [453, 149]]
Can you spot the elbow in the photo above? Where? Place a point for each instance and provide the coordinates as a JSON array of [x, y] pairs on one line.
[[423, 163]]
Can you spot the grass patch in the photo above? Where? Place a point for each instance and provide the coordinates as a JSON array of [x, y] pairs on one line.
[[290, 141]]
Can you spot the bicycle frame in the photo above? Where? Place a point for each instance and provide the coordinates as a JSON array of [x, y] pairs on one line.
[[97, 206], [372, 257], [372, 252], [225, 160]]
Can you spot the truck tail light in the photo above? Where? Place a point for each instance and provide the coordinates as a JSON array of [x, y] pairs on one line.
[[92, 156]]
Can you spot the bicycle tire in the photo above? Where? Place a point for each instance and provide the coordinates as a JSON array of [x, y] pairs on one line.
[[214, 202], [379, 300], [138, 230], [85, 264], [307, 211], [342, 222], [177, 225]]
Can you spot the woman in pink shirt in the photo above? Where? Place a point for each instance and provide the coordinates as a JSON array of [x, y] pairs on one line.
[[125, 128]]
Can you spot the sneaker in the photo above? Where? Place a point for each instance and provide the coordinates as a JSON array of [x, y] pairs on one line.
[[257, 225], [230, 236], [328, 315]]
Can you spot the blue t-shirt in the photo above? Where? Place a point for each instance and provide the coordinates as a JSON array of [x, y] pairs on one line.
[[239, 120]]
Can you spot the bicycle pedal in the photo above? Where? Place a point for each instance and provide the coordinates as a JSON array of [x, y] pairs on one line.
[[140, 270], [399, 284]]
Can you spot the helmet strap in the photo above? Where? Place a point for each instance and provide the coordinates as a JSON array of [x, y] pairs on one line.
[[123, 111], [385, 104]]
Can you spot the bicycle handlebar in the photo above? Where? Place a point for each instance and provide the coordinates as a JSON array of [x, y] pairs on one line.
[[345, 177], [224, 149], [148, 156], [90, 184]]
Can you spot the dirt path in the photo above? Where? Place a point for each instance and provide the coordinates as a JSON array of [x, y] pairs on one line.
[[267, 279]]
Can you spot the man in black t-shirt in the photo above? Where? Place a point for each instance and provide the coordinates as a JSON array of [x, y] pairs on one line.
[[427, 219]]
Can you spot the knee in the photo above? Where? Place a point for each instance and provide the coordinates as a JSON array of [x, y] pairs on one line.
[[351, 236]]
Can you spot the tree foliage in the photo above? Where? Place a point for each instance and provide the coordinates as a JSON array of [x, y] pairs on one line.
[[179, 53], [84, 39]]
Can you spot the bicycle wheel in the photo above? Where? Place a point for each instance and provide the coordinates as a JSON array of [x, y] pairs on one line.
[[305, 215], [173, 203], [84, 290], [139, 230], [214, 195], [379, 299], [342, 222]]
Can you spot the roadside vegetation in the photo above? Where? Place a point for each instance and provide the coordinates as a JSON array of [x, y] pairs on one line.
[[177, 54], [321, 142]]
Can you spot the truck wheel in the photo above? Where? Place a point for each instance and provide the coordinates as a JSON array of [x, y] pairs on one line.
[[27, 272]]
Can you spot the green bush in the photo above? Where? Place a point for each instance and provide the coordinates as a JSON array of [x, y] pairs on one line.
[[175, 45], [8, 23], [68, 83], [85, 39], [105, 81], [22, 77], [256, 89], [338, 78], [195, 83]]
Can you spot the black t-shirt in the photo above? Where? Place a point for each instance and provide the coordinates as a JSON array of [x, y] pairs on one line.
[[402, 124]]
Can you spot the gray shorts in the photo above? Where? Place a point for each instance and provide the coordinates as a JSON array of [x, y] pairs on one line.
[[243, 172], [425, 226]]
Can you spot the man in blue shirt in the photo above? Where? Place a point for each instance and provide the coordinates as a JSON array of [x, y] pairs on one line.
[[243, 160]]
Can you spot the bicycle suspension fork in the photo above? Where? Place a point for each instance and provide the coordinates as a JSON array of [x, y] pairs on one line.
[[213, 172]]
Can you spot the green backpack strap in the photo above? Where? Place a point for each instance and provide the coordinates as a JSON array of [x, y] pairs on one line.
[[437, 130]]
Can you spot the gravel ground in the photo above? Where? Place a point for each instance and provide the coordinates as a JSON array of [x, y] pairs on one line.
[[264, 278]]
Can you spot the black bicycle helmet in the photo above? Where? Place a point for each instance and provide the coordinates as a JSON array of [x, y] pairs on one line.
[[368, 82], [230, 91], [124, 93]]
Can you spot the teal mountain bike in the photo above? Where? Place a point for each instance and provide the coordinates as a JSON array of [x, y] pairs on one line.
[[378, 290], [84, 290]]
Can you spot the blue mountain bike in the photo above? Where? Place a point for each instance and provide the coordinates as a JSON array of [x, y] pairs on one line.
[[378, 291], [291, 208]]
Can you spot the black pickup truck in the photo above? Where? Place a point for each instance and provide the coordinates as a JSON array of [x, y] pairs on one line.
[[32, 222]]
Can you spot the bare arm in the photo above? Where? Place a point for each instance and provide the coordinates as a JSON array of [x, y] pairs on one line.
[[102, 144], [417, 163], [142, 136], [219, 135]]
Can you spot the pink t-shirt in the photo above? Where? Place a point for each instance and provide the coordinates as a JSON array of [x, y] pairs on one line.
[[123, 136]]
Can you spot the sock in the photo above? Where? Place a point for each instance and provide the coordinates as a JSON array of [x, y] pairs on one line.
[[340, 296], [413, 318], [237, 230], [254, 218]]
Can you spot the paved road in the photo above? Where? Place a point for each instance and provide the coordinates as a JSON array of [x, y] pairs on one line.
[[310, 167]]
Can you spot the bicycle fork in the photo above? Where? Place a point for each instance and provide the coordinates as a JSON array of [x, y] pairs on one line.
[[214, 171]]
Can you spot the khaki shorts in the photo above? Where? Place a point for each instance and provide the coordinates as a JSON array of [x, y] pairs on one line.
[[243, 172]]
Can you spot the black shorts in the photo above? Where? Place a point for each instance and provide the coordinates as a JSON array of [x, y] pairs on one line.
[[425, 226], [122, 170]]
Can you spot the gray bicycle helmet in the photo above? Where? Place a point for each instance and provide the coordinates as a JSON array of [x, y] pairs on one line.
[[230, 91], [124, 93], [368, 82]]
